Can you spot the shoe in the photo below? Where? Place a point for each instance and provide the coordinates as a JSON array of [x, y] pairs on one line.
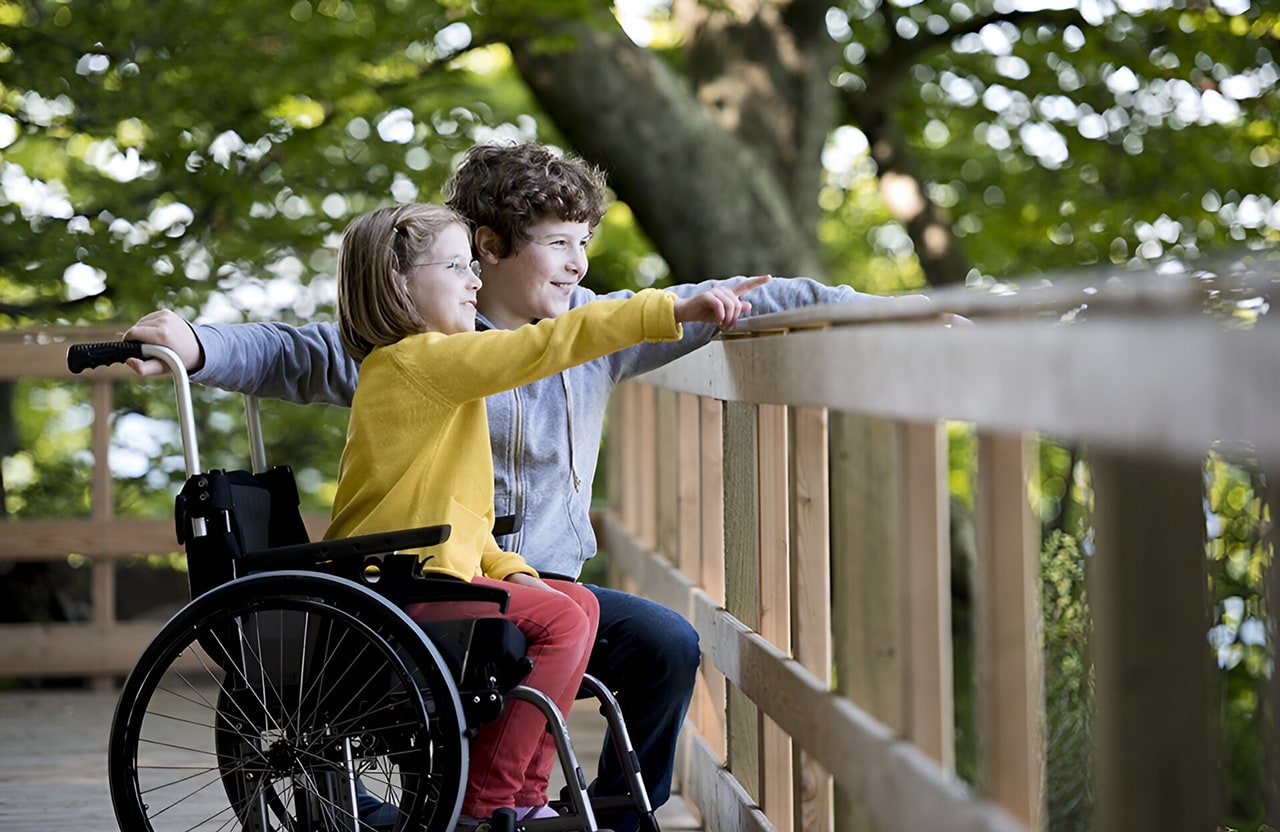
[[535, 812]]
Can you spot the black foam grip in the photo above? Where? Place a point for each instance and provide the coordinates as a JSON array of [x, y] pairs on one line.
[[87, 356]]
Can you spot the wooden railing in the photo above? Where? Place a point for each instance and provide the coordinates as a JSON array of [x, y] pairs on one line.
[[102, 648], [786, 489]]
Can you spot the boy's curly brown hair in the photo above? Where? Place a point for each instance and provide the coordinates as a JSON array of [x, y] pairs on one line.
[[510, 187]]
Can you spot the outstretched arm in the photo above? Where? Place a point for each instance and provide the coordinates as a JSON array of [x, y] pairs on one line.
[[301, 364], [778, 295]]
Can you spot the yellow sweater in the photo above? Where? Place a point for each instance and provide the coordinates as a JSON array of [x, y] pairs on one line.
[[417, 450]]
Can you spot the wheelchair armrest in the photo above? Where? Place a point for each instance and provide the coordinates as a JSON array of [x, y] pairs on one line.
[[506, 524], [428, 588], [308, 554]]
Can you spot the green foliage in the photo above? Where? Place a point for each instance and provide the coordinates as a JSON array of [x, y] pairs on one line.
[[1068, 684], [1060, 139], [1239, 558]]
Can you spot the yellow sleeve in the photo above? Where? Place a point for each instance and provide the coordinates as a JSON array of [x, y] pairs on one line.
[[473, 365], [498, 564]]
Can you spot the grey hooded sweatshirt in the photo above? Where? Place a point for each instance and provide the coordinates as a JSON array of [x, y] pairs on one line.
[[545, 435]]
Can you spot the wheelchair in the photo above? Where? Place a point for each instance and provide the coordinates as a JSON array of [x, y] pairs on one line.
[[293, 693]]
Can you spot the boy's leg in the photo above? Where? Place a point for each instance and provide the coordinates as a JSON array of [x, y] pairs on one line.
[[648, 654]]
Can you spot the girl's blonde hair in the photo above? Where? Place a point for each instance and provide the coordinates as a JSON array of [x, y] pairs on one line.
[[378, 249]]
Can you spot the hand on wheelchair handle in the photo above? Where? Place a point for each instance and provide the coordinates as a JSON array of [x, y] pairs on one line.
[[165, 329]]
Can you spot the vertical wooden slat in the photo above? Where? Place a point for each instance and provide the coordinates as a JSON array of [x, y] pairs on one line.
[[1010, 672], [775, 597], [711, 497], [741, 579], [811, 594], [929, 709], [646, 466], [666, 491], [623, 433], [688, 502], [864, 577], [103, 577], [1155, 756]]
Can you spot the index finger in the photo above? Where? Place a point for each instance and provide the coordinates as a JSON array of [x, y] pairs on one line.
[[750, 283]]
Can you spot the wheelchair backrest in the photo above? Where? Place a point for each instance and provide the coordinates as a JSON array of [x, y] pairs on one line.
[[220, 516]]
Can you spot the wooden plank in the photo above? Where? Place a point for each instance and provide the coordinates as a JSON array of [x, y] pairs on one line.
[[720, 798], [73, 649], [925, 531], [1156, 762], [1007, 633], [688, 486], [864, 565], [711, 492], [774, 530], [811, 596], [666, 485], [40, 540], [646, 473], [864, 579], [742, 579], [1116, 382], [628, 496], [43, 353], [102, 506]]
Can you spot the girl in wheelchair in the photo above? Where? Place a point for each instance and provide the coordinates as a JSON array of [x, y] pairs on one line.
[[417, 449]]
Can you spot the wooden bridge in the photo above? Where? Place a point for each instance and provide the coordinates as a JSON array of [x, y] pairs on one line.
[[787, 488]]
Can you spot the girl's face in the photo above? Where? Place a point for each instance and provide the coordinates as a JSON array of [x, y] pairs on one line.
[[534, 282], [442, 284]]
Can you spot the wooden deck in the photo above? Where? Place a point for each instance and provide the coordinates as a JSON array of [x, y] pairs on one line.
[[53, 761]]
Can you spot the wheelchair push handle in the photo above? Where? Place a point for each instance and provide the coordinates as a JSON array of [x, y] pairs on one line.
[[82, 357]]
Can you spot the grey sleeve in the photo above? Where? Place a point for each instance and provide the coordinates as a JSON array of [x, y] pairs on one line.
[[778, 295], [300, 364]]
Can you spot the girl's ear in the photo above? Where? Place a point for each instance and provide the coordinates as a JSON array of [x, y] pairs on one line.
[[488, 245]]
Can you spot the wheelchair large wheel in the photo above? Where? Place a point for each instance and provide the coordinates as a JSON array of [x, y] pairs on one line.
[[288, 701]]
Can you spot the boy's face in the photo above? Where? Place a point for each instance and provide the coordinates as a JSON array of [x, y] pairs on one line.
[[442, 285], [534, 281]]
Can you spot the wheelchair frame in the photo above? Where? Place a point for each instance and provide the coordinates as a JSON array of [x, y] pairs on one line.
[[294, 679]]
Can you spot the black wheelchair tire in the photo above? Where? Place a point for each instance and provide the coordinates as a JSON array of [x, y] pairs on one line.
[[197, 746]]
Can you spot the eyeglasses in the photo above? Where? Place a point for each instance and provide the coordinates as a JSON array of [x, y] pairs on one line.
[[455, 264]]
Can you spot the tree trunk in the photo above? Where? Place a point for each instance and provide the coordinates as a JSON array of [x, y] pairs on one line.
[[744, 211]]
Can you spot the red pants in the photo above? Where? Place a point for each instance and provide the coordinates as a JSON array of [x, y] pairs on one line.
[[511, 758]]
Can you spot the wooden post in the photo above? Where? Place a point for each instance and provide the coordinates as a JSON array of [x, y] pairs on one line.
[[103, 578], [711, 493], [646, 471], [775, 597], [864, 578], [811, 595], [925, 531], [688, 487], [1006, 589], [666, 488], [1155, 757], [742, 570]]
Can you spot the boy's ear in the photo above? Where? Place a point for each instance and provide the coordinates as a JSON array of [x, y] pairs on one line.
[[488, 245]]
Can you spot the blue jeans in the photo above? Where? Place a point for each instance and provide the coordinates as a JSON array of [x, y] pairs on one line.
[[648, 655]]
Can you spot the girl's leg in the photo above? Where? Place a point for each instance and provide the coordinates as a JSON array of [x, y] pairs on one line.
[[560, 633], [537, 775]]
